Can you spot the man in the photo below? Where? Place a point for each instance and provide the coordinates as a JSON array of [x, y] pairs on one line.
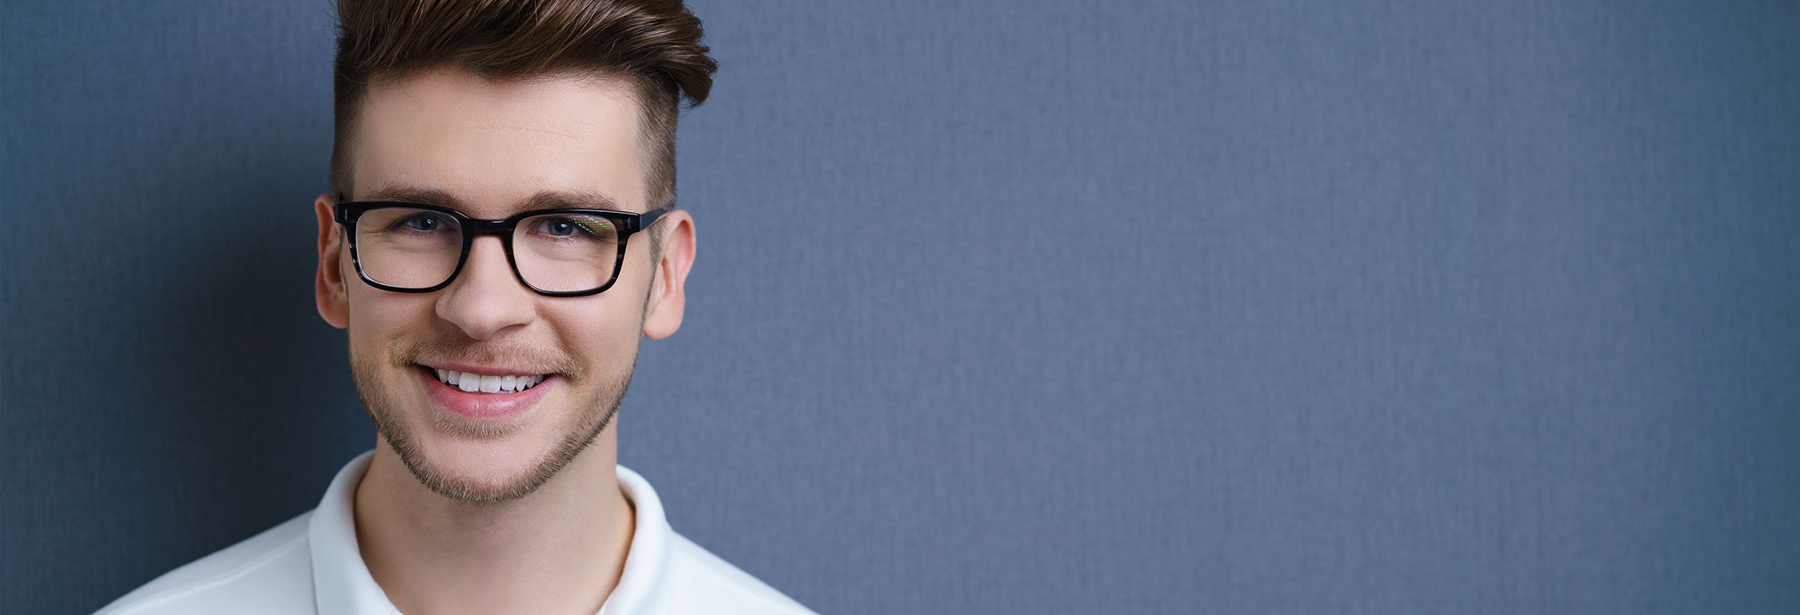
[[500, 238]]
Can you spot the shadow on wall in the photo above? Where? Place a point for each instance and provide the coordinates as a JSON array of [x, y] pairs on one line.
[[261, 410], [233, 405]]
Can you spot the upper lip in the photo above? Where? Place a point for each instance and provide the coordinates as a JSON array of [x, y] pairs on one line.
[[484, 370]]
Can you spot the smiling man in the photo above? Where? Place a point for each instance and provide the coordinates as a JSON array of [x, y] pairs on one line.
[[500, 238]]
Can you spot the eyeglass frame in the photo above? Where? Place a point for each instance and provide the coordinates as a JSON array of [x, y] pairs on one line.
[[346, 213]]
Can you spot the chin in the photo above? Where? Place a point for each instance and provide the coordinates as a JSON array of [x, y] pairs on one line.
[[477, 470], [490, 467]]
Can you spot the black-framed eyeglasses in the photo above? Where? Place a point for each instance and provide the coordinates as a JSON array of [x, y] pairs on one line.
[[414, 248]]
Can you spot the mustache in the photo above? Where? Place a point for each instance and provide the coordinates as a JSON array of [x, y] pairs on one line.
[[533, 359]]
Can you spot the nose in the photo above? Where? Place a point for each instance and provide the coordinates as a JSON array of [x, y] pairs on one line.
[[486, 297]]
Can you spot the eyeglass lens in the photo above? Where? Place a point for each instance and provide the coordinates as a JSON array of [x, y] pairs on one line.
[[419, 248]]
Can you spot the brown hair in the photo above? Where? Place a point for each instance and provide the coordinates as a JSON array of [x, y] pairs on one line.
[[653, 43]]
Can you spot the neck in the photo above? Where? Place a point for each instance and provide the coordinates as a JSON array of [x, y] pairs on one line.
[[560, 549]]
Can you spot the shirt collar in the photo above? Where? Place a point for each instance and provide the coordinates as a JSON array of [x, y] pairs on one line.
[[641, 587], [342, 584]]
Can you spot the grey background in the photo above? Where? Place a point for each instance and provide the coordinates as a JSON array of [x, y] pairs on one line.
[[1008, 306]]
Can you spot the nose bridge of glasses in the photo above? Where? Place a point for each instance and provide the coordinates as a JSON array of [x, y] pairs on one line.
[[494, 260], [501, 230], [476, 228]]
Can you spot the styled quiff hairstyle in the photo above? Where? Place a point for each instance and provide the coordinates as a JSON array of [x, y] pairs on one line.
[[655, 44]]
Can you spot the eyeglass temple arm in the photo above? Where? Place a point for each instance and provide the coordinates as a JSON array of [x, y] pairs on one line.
[[650, 217]]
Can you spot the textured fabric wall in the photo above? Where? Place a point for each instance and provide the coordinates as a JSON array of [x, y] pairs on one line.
[[1009, 306]]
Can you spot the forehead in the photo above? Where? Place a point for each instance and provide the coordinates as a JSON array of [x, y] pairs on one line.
[[493, 145]]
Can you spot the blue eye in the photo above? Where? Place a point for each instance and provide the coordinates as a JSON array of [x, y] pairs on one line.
[[573, 227], [423, 222]]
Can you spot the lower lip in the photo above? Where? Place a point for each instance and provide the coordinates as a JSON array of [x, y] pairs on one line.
[[484, 406]]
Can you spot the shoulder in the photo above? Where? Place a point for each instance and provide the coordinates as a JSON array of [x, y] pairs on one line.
[[270, 572], [703, 583]]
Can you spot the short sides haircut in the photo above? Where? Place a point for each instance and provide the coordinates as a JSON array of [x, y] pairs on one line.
[[654, 44]]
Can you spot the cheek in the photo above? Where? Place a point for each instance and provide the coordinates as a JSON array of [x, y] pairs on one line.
[[604, 335], [378, 317]]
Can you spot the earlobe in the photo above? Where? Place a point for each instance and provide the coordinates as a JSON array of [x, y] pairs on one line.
[[668, 291], [328, 284]]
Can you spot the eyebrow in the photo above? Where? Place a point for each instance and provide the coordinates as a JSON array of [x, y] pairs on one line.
[[544, 199]]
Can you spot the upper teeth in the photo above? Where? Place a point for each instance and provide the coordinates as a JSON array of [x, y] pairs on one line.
[[487, 384]]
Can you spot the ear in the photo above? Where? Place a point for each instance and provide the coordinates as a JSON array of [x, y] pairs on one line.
[[328, 286], [668, 293]]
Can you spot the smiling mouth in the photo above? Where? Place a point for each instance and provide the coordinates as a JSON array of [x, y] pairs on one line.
[[478, 383]]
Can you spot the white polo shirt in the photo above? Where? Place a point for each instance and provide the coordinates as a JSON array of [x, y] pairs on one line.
[[311, 565]]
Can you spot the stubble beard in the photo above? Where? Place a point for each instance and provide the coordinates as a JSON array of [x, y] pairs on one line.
[[579, 432]]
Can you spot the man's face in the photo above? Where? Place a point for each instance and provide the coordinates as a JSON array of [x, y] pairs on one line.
[[491, 149]]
